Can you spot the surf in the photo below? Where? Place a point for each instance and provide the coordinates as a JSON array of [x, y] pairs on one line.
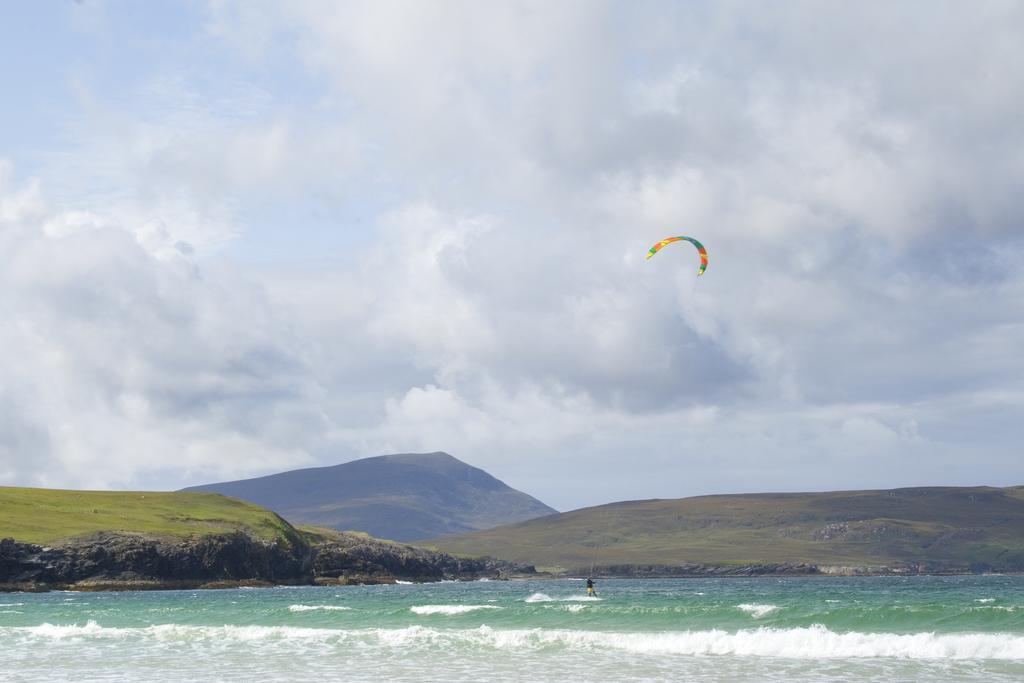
[[812, 643]]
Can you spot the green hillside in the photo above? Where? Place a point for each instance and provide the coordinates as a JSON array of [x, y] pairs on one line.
[[46, 516], [941, 525]]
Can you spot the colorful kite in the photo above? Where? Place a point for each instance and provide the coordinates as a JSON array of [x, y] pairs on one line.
[[700, 250]]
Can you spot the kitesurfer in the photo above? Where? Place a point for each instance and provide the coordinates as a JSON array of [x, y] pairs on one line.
[[590, 588]]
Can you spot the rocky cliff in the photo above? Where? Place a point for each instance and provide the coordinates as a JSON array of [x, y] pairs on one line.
[[653, 571], [112, 561], [347, 558]]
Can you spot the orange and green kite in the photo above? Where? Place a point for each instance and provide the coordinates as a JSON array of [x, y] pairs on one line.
[[700, 250]]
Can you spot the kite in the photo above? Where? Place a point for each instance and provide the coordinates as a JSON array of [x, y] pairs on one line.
[[700, 250]]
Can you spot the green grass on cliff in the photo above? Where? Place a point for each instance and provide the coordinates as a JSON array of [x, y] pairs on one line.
[[47, 516], [321, 534], [945, 525]]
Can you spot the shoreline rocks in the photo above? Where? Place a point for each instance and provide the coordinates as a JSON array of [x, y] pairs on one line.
[[349, 558], [779, 569], [695, 570], [125, 561]]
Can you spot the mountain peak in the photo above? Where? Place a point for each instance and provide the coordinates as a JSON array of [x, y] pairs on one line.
[[402, 496], [439, 457]]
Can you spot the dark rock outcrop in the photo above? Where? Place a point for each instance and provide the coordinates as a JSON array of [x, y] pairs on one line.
[[108, 558], [704, 570], [348, 557], [652, 571], [111, 561]]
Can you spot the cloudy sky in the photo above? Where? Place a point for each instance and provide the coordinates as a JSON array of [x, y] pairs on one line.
[[242, 237]]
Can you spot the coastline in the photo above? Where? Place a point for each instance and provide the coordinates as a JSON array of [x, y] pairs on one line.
[[121, 561], [704, 571], [124, 561]]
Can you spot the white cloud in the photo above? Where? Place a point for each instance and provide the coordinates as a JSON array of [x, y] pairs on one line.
[[495, 174], [122, 361]]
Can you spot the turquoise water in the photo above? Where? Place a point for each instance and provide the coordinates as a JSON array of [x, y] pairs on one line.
[[846, 629]]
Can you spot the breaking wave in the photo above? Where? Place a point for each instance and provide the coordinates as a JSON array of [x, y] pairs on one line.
[[757, 611], [449, 609], [544, 597], [311, 608], [815, 642]]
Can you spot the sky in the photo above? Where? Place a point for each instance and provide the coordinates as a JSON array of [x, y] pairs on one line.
[[238, 238]]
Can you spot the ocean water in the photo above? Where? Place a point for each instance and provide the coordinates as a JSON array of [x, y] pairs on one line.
[[768, 629]]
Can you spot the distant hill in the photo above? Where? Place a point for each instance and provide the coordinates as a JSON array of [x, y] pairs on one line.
[[401, 497], [937, 527]]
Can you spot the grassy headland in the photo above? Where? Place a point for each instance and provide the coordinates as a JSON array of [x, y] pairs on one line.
[[47, 516], [940, 526], [108, 540]]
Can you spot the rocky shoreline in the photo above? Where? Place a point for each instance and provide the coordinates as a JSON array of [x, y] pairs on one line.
[[125, 561], [686, 571]]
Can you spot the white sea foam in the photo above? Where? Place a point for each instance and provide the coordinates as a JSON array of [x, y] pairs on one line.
[[815, 642], [311, 608], [544, 597], [59, 631], [985, 600], [171, 632], [449, 609], [404, 583], [573, 608], [757, 611], [12, 604]]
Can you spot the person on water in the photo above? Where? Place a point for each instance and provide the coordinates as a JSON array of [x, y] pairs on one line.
[[591, 593]]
